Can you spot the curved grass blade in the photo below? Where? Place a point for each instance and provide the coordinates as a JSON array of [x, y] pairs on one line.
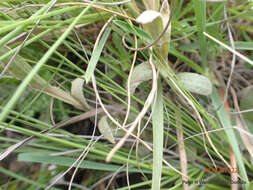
[[98, 47]]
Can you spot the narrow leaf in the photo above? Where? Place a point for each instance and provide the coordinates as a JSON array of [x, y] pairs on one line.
[[200, 15], [96, 54], [225, 122], [244, 45], [66, 161], [19, 68], [157, 122]]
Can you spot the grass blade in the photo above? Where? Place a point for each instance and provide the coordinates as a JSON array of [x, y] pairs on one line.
[[66, 161], [200, 16]]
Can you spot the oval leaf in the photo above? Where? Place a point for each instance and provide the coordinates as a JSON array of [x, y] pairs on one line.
[[105, 129], [141, 73], [196, 83], [247, 103]]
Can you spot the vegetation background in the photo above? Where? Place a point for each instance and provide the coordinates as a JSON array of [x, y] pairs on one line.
[[126, 94]]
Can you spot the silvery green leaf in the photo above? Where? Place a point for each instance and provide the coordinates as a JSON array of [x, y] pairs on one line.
[[141, 73], [195, 83], [158, 133], [77, 91], [97, 50], [105, 129]]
